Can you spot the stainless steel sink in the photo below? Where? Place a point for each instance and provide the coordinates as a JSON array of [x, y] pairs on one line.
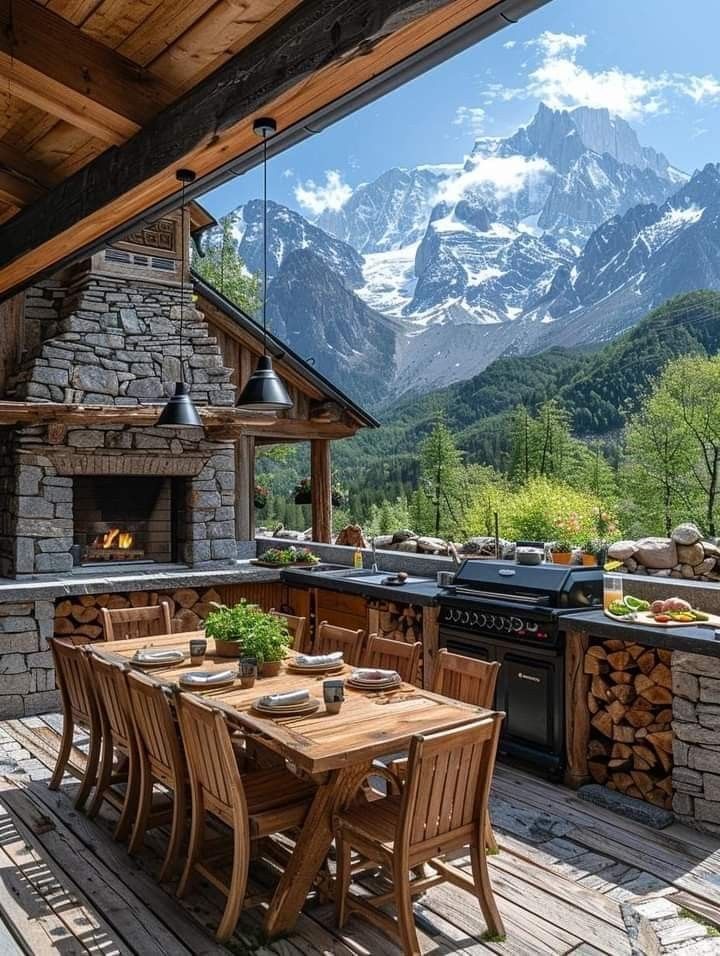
[[374, 577]]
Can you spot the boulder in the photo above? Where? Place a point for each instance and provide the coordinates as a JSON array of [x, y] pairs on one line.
[[686, 533], [432, 545], [410, 544], [383, 540], [687, 571], [404, 535], [690, 553], [622, 550], [631, 564], [352, 536], [658, 553], [705, 566], [485, 545], [711, 549]]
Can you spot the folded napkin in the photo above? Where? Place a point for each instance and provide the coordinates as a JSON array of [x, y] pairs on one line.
[[284, 700], [316, 660], [201, 677], [151, 656], [374, 673]]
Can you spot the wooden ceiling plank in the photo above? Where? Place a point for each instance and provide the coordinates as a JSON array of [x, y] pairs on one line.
[[113, 21], [50, 63], [75, 11], [213, 39], [16, 161], [16, 190], [210, 125], [162, 28]]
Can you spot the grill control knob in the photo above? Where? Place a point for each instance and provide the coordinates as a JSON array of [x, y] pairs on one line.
[[516, 624], [531, 627], [456, 615], [474, 619], [490, 621], [465, 619]]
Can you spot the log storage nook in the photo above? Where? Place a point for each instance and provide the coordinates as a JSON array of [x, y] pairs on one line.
[[216, 738]]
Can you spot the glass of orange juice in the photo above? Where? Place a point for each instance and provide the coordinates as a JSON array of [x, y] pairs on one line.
[[612, 589]]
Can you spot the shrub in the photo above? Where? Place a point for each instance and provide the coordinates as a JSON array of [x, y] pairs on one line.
[[545, 510]]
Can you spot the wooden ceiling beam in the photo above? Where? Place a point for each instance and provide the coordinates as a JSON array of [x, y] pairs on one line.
[[18, 191], [320, 51], [16, 162], [48, 62]]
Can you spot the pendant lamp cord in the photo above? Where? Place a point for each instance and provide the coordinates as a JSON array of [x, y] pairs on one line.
[[265, 241], [182, 279]]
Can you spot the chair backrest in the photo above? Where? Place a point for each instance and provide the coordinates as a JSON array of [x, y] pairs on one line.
[[72, 675], [126, 622], [331, 637], [448, 783], [465, 678], [156, 731], [394, 655], [111, 690], [213, 770], [295, 625]]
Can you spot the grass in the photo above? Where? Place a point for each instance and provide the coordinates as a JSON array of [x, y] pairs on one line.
[[712, 929]]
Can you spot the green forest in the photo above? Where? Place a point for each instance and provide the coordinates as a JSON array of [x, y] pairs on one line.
[[567, 445]]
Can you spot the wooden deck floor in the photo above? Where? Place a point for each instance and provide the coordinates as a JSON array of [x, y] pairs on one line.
[[563, 873]]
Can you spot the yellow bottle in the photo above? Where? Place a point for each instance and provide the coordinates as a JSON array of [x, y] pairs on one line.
[[358, 558]]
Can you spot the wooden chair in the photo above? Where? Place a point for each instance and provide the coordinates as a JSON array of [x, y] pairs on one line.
[[471, 681], [160, 761], [330, 638], [439, 809], [124, 623], [385, 653], [73, 677], [118, 764], [295, 625], [253, 805]]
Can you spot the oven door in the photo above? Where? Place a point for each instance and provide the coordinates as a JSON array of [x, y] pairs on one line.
[[530, 690]]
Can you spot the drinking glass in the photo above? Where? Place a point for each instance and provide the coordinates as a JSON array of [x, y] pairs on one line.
[[333, 695], [248, 668], [612, 589], [198, 650]]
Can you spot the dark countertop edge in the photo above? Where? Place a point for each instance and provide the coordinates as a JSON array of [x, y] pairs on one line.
[[51, 587], [692, 640], [421, 594]]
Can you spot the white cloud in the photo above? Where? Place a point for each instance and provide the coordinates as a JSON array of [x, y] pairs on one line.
[[553, 44], [698, 88], [563, 84], [288, 173], [510, 44], [503, 175], [316, 198], [471, 117]]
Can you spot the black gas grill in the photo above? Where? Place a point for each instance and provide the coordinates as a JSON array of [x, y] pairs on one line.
[[511, 613]]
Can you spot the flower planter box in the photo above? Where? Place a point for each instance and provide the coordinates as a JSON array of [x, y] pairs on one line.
[[228, 648]]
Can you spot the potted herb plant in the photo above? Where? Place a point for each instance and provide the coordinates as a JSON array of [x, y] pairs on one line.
[[268, 641], [592, 553], [303, 493], [229, 627], [561, 552]]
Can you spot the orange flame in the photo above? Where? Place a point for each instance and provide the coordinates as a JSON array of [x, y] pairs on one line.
[[114, 538]]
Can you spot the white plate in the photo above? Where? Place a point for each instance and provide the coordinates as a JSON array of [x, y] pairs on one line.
[[295, 710], [157, 658], [373, 685]]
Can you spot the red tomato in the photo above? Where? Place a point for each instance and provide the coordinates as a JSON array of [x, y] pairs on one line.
[[662, 618]]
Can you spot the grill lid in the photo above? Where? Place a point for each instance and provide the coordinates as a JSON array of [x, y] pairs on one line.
[[551, 585]]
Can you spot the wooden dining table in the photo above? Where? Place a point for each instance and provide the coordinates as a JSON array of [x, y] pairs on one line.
[[336, 750]]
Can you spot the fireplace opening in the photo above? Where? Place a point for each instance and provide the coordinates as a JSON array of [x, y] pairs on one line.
[[128, 519]]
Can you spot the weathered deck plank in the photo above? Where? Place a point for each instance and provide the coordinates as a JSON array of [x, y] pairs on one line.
[[564, 869]]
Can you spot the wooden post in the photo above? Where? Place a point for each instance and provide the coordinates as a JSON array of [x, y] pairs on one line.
[[577, 715], [430, 642], [321, 490], [245, 488]]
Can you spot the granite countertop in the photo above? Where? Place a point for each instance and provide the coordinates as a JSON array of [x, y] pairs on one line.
[[692, 639], [417, 591], [153, 577]]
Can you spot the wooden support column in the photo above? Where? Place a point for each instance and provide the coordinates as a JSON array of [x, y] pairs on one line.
[[577, 715], [321, 489], [245, 488], [430, 642]]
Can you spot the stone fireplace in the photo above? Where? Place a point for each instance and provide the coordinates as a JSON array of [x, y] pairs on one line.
[[70, 491]]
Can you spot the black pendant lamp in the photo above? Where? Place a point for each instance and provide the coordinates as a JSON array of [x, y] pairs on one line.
[[180, 411], [264, 391]]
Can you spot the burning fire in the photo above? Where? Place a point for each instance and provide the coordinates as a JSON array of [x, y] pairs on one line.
[[114, 538]]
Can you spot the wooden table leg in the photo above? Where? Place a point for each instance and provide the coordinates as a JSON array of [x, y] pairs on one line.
[[310, 850]]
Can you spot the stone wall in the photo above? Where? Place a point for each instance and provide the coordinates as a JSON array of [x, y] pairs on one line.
[[112, 341], [696, 744], [27, 678], [684, 555]]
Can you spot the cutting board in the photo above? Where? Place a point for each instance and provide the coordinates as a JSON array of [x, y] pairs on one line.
[[645, 618]]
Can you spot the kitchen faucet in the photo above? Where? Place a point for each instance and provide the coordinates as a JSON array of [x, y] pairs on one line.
[[375, 569]]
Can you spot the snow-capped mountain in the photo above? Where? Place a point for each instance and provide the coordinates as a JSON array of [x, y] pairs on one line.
[[390, 212], [634, 262]]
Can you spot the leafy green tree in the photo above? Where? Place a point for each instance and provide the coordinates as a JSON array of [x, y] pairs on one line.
[[442, 480], [223, 268]]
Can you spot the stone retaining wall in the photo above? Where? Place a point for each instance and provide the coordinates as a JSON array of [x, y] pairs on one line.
[[27, 678], [696, 745]]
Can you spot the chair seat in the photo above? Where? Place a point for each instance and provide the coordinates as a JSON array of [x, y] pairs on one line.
[[376, 821]]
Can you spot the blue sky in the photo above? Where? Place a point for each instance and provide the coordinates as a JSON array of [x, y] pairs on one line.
[[651, 61]]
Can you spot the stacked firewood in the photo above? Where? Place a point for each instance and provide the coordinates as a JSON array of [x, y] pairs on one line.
[[398, 622], [630, 700]]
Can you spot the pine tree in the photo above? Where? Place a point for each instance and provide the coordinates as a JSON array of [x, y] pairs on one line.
[[223, 268]]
